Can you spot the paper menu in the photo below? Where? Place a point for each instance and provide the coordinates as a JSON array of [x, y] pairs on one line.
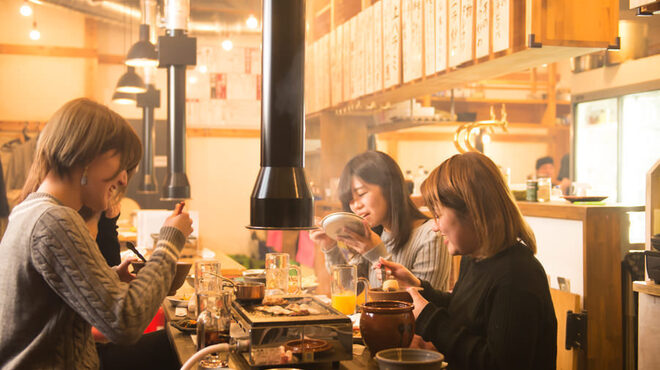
[[335, 65], [482, 28], [454, 24], [359, 77], [440, 35], [391, 43], [466, 34], [429, 37], [412, 39], [346, 61], [378, 45], [501, 10], [368, 51]]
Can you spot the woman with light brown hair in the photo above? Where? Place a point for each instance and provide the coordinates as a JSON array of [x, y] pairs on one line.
[[500, 314], [54, 282]]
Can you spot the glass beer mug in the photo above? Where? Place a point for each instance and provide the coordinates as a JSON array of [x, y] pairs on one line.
[[344, 288], [278, 281]]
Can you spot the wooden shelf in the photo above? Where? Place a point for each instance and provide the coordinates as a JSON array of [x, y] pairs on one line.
[[647, 287], [499, 101]]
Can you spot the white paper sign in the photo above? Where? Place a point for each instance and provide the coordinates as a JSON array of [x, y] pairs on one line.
[[391, 42], [483, 24], [429, 37], [378, 46], [500, 25], [440, 35]]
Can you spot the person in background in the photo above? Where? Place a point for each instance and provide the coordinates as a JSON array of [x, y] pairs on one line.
[[373, 187], [563, 178], [500, 314], [53, 278], [545, 167]]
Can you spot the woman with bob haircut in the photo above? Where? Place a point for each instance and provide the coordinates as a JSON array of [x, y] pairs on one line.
[[499, 314], [373, 187], [54, 282]]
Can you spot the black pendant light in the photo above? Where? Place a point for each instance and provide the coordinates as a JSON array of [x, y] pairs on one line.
[[281, 198], [142, 53], [123, 98], [130, 82]]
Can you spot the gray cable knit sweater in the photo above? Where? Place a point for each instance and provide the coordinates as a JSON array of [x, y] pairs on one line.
[[55, 284]]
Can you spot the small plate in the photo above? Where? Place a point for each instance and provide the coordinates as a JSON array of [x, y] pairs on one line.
[[575, 198], [178, 324], [176, 302], [334, 224]]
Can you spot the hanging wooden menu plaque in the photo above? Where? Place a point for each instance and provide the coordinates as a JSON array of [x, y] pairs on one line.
[[335, 65], [440, 35], [466, 34], [500, 25], [378, 45], [346, 61], [360, 55], [368, 51], [429, 37], [412, 58], [454, 24], [391, 42], [324, 70], [482, 28], [406, 47], [355, 65]]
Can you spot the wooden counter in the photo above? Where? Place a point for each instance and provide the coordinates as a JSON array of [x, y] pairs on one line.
[[185, 348], [648, 325]]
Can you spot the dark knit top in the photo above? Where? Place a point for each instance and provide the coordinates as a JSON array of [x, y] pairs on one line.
[[499, 315]]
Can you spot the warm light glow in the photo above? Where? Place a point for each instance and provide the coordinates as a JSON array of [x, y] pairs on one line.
[[227, 44], [35, 34], [124, 101], [252, 22], [202, 68], [485, 139], [192, 79], [131, 89], [142, 62], [26, 10]]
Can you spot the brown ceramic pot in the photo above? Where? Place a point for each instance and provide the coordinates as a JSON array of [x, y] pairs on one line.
[[387, 324], [377, 294]]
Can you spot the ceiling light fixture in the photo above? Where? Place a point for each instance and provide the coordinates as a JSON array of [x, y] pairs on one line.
[[123, 98], [35, 34], [130, 82], [142, 53], [26, 9], [227, 44], [252, 22]]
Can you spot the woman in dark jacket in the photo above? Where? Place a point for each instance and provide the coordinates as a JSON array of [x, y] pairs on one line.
[[500, 314]]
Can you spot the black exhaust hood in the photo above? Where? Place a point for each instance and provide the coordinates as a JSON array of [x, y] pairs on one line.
[[281, 198]]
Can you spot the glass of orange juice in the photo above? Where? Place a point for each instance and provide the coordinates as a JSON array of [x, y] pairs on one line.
[[344, 288]]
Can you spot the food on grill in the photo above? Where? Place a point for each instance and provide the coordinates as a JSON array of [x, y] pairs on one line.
[[273, 301], [292, 309]]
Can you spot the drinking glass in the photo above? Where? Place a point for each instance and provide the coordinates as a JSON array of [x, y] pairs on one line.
[[277, 275], [213, 325], [207, 275], [344, 288]]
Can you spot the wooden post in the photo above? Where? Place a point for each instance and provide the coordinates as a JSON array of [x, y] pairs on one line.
[[91, 64], [550, 114]]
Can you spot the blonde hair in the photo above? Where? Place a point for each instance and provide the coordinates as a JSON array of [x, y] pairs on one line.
[[75, 135], [473, 186]]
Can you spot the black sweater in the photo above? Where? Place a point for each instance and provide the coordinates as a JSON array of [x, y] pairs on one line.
[[499, 315]]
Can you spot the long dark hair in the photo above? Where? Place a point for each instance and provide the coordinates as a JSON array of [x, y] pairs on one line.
[[378, 168]]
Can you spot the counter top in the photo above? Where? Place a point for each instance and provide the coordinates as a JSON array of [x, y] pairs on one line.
[[648, 287], [185, 348]]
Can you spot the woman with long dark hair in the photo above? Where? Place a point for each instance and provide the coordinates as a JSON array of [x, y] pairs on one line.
[[373, 187]]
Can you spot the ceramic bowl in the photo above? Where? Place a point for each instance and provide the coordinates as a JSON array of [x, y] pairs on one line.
[[335, 224], [182, 269], [409, 358]]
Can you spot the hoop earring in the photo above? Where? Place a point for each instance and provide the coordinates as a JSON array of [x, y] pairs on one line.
[[83, 179]]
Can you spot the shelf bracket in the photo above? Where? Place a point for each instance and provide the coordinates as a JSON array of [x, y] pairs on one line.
[[576, 330], [531, 43], [617, 44]]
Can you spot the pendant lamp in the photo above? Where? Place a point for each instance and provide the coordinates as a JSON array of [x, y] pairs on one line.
[[130, 82], [123, 98], [142, 53]]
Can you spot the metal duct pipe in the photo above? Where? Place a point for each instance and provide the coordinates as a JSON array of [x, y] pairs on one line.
[[175, 52], [281, 198]]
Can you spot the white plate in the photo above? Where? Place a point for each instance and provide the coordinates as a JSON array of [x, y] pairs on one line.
[[334, 224], [176, 302]]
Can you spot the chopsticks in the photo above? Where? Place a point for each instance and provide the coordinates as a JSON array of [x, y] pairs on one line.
[[131, 246]]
